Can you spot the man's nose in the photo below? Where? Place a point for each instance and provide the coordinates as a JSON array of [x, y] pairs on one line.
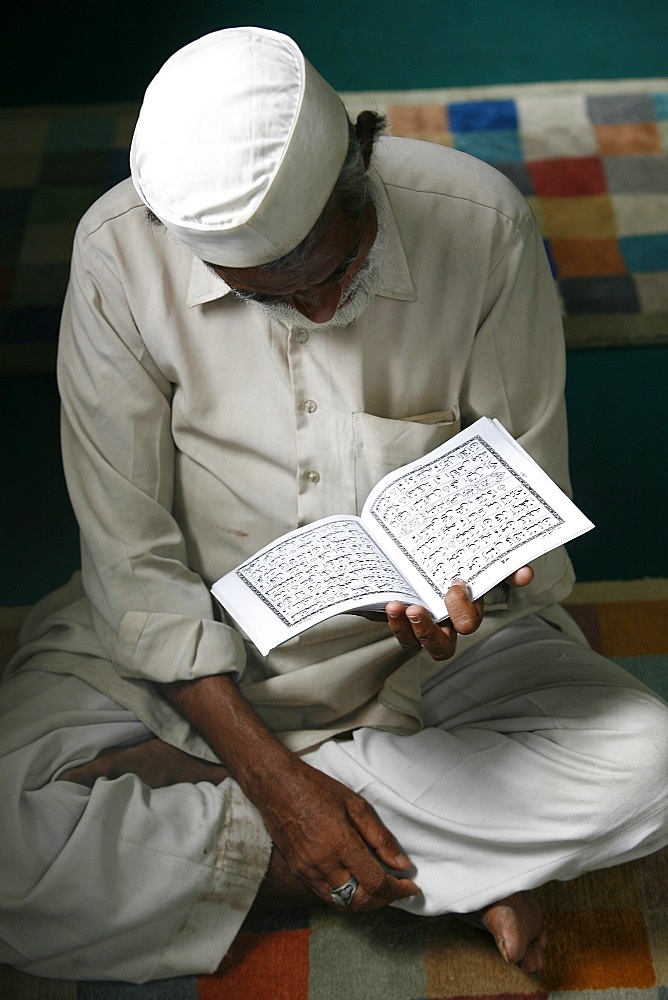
[[319, 303]]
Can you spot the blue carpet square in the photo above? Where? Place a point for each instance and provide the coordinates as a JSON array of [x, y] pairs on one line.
[[494, 146], [645, 253], [660, 102], [482, 116]]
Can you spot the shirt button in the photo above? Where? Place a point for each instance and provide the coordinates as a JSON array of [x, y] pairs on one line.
[[310, 405], [301, 336], [312, 476]]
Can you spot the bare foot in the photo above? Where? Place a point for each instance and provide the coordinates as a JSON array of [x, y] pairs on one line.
[[157, 764], [516, 924]]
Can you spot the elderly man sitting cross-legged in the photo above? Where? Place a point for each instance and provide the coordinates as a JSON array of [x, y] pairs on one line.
[[275, 311]]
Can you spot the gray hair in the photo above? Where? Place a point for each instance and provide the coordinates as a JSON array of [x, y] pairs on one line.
[[349, 195]]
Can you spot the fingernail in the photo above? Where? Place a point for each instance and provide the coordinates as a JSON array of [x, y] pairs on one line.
[[501, 945], [401, 861]]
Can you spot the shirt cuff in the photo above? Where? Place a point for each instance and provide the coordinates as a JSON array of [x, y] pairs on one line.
[[164, 647]]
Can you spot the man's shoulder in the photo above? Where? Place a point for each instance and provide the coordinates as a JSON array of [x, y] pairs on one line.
[[428, 168], [116, 228], [120, 204]]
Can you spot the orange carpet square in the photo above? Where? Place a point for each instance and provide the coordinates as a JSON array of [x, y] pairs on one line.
[[580, 258], [640, 137], [259, 966], [599, 950], [633, 628], [416, 119]]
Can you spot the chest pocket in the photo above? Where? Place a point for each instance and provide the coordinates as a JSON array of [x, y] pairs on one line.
[[382, 445]]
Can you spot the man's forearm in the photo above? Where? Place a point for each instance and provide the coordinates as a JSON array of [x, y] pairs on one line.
[[323, 830], [217, 709]]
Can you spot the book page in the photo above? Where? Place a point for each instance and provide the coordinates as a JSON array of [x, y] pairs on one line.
[[307, 576], [477, 508]]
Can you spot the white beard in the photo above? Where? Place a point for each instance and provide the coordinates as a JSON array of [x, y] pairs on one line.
[[357, 297]]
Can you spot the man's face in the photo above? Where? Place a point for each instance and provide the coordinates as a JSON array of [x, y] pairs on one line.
[[333, 287]]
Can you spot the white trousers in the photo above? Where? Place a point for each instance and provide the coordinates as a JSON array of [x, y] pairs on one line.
[[539, 760]]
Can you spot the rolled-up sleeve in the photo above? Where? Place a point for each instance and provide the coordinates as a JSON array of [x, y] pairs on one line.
[[152, 613]]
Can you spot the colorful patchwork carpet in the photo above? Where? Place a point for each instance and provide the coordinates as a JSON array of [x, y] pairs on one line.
[[608, 930], [592, 159]]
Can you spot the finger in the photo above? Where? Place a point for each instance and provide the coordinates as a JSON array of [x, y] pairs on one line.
[[370, 827], [464, 613], [438, 640], [415, 629], [400, 626], [371, 844], [374, 889], [521, 577], [371, 895]]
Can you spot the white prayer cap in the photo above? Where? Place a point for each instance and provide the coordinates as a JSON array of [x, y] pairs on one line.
[[238, 146]]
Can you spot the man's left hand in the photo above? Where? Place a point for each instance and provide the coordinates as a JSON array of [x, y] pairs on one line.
[[415, 629]]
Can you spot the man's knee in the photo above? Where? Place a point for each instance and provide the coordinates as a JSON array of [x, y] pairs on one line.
[[639, 763]]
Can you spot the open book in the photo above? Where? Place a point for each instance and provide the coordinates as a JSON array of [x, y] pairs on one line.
[[476, 508]]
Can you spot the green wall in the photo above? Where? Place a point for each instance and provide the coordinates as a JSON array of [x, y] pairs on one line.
[[78, 52]]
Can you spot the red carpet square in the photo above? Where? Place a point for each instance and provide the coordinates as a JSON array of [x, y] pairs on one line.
[[259, 966], [576, 176]]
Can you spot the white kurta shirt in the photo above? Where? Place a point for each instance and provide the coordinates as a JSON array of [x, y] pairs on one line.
[[196, 429]]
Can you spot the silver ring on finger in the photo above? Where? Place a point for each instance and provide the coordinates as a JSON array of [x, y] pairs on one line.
[[345, 893]]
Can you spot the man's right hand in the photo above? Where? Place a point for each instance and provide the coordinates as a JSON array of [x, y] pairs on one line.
[[326, 833], [323, 830]]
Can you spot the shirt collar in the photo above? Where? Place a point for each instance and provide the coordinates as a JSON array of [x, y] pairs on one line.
[[396, 281]]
